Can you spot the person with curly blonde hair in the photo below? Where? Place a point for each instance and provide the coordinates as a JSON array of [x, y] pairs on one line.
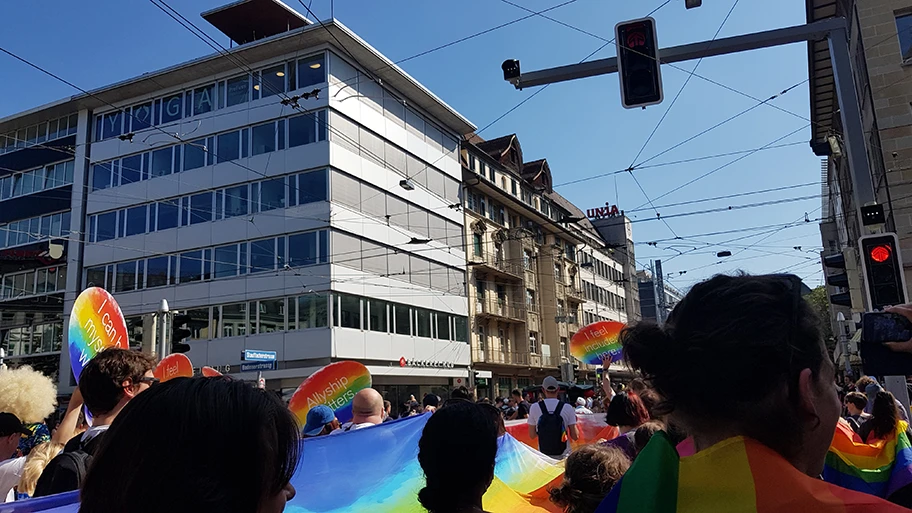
[[589, 474], [35, 462], [31, 396]]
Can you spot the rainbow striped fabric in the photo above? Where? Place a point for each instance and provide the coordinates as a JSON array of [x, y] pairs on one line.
[[736, 475], [879, 468]]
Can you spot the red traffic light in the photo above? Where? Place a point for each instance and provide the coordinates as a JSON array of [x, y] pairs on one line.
[[881, 254]]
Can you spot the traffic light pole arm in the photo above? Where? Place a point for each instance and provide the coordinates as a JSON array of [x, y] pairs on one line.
[[809, 32]]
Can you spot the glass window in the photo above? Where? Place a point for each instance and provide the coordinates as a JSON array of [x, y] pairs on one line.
[[312, 187], [262, 255], [904, 30], [424, 322], [195, 154], [402, 314], [234, 320], [272, 315], [301, 130], [106, 225], [272, 194], [191, 265], [443, 326], [348, 311], [172, 108], [312, 311], [136, 220], [264, 139], [167, 215], [157, 272], [311, 71], [226, 261], [238, 90], [161, 162], [201, 208], [229, 146], [141, 117], [101, 178], [112, 125], [377, 320], [302, 249], [125, 277], [272, 81], [236, 201], [461, 328], [203, 98], [130, 169]]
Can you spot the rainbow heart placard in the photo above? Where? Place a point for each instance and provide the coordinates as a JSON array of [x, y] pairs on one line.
[[335, 386], [175, 365], [96, 323], [597, 343]]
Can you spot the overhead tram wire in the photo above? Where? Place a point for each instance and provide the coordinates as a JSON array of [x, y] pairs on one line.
[[729, 196]]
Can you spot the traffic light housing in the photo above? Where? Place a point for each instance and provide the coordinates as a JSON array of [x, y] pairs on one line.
[[179, 332], [885, 283], [638, 63], [839, 279]]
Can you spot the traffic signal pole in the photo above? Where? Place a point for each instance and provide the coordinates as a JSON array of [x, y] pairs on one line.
[[833, 29]]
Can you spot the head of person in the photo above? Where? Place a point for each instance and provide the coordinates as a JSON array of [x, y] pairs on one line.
[[581, 401], [11, 430], [637, 385], [27, 394], [430, 400], [367, 407], [387, 408], [461, 392], [496, 417], [743, 355], [626, 411], [516, 395], [650, 400], [550, 387], [589, 474], [643, 434], [321, 420], [855, 402], [114, 377], [178, 432], [863, 383], [498, 401], [37, 459], [884, 414], [460, 432]]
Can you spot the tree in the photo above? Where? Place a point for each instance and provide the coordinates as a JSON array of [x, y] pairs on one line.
[[820, 303]]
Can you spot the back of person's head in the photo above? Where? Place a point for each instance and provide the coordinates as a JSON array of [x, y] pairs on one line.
[[496, 417], [626, 410], [731, 359], [637, 385], [589, 474], [517, 394], [857, 399], [884, 415], [651, 400], [37, 459], [456, 452], [461, 392], [104, 378], [430, 400], [387, 406], [863, 383], [192, 445], [644, 433]]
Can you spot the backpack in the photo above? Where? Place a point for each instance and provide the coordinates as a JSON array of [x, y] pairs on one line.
[[67, 471], [551, 430]]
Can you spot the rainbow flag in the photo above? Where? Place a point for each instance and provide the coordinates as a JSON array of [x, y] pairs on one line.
[[879, 468], [736, 475]]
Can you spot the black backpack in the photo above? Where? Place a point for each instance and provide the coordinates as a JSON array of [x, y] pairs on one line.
[[67, 471], [550, 430]]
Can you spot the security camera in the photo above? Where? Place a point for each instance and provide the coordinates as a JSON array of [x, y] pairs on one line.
[[511, 71]]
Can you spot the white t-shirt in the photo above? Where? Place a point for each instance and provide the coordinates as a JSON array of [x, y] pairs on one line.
[[94, 431], [10, 472], [348, 426], [568, 414]]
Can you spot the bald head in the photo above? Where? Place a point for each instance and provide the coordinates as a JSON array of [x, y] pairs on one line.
[[367, 406]]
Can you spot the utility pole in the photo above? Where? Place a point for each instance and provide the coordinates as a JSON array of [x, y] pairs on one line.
[[164, 346]]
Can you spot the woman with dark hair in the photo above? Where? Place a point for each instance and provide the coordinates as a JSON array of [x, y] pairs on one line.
[[195, 445], [456, 452], [589, 474], [627, 412], [884, 418], [741, 365]]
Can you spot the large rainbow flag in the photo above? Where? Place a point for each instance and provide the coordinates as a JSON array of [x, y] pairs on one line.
[[592, 428], [736, 475], [376, 470], [879, 468]]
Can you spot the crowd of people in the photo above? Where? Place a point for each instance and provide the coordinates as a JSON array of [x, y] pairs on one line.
[[740, 362]]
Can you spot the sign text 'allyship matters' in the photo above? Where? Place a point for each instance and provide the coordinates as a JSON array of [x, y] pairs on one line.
[[325, 396]]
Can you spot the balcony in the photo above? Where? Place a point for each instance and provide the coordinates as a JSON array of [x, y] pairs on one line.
[[495, 356], [500, 309], [574, 293], [500, 266]]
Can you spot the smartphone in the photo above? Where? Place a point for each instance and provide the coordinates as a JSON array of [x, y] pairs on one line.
[[880, 327]]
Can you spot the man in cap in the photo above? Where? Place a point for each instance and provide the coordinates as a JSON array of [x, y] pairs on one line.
[[321, 420], [11, 430], [552, 422]]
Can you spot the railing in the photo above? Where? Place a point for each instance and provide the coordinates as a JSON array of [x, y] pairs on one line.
[[490, 355], [500, 308], [573, 291], [503, 265]]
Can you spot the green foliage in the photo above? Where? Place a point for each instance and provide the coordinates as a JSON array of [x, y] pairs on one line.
[[819, 301]]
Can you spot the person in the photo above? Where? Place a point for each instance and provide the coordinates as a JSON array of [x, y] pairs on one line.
[[884, 418], [869, 387], [581, 406], [589, 474], [461, 392], [430, 403], [367, 411], [499, 403], [320, 421], [627, 412], [387, 411], [35, 463], [636, 386], [32, 397], [459, 432], [552, 422], [496, 417], [520, 405], [741, 364], [11, 431], [855, 403], [644, 433], [178, 433], [650, 400], [107, 384]]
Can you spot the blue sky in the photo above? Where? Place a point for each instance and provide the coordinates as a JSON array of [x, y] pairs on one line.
[[578, 126]]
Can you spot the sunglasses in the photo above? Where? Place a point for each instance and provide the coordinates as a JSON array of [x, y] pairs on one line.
[[151, 381]]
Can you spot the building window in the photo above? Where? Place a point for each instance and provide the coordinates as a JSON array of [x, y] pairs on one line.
[[482, 337], [377, 320], [312, 311], [403, 326], [472, 162], [560, 307], [904, 30], [530, 299], [533, 342], [477, 244], [527, 260], [423, 322], [558, 272], [347, 312], [563, 347]]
